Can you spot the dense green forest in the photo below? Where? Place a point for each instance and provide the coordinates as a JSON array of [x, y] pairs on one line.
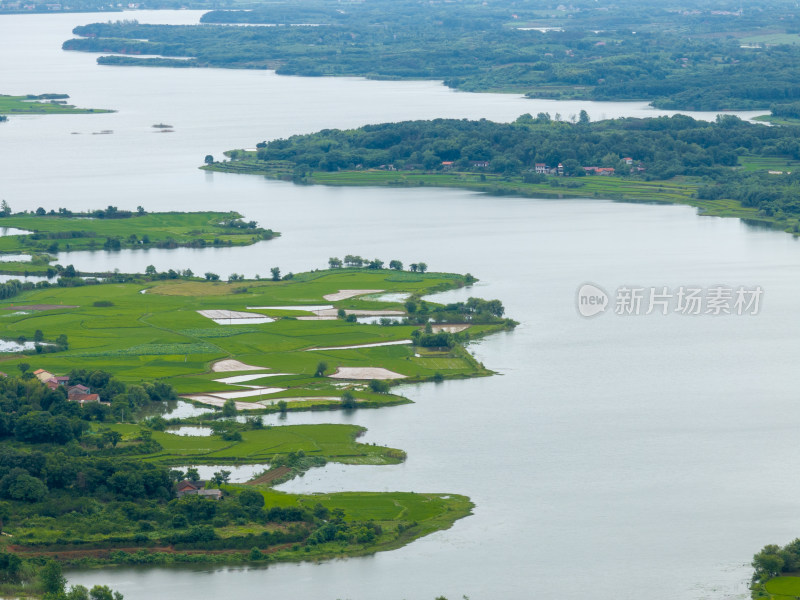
[[678, 57], [78, 485], [708, 154]]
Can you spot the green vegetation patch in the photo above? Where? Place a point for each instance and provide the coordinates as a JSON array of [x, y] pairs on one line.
[[784, 586], [43, 104], [161, 335], [332, 442], [114, 229]]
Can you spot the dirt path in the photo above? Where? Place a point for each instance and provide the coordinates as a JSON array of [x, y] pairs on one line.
[[270, 476]]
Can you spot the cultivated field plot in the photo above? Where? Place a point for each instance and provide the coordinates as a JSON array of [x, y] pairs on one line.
[[187, 332]]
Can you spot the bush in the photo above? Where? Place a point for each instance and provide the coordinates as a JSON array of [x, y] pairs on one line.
[[251, 499], [348, 400]]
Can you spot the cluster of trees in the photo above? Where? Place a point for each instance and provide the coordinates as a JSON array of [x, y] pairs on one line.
[[13, 287], [474, 310], [50, 579], [624, 51], [51, 478], [33, 413], [774, 560], [790, 111], [353, 260], [663, 146], [660, 148]]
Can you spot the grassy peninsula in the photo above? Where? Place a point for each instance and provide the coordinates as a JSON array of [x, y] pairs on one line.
[[727, 168], [42, 104], [196, 334], [87, 478], [41, 233], [80, 488]]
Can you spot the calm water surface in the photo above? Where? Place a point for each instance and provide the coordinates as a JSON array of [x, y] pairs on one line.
[[612, 458]]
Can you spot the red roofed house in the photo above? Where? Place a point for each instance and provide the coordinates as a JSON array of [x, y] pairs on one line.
[[197, 488], [599, 170], [42, 375], [77, 390], [86, 398]]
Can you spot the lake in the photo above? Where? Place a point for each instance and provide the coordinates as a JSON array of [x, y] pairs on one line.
[[618, 457]]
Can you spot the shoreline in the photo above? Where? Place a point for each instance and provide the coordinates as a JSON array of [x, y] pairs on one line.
[[679, 190]]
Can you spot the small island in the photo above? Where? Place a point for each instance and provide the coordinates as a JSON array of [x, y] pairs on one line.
[[42, 104]]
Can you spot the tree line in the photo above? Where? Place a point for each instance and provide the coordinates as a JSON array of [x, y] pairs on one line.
[[620, 52], [656, 148]]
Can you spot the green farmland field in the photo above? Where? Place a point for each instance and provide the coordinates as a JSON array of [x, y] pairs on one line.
[[161, 335]]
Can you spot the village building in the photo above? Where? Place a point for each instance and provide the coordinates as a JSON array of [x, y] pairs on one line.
[[75, 391], [197, 488], [42, 375], [599, 170], [86, 399], [541, 168]]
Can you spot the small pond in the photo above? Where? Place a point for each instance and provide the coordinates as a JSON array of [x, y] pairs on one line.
[[15, 346], [377, 320], [391, 297], [190, 430], [12, 231], [175, 409], [15, 257], [239, 473]]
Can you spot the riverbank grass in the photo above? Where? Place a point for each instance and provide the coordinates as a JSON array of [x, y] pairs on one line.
[[780, 588]]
